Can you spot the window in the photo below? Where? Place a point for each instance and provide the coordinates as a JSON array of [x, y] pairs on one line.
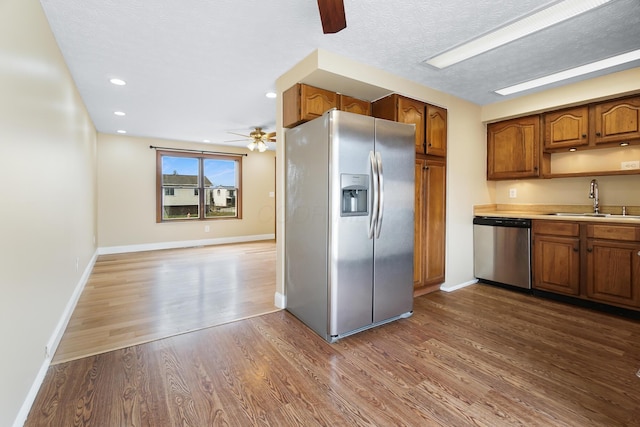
[[197, 186]]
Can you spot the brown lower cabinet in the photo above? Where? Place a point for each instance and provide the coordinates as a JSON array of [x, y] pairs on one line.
[[599, 262], [429, 252]]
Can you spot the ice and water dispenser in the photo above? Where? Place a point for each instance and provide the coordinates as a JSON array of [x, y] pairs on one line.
[[354, 189]]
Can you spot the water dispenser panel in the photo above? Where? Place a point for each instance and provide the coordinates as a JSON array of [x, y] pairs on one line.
[[354, 189]]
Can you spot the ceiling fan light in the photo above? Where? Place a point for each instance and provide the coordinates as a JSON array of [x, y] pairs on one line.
[[252, 145], [262, 147]]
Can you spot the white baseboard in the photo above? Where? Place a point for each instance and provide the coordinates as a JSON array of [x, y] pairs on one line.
[[280, 300], [54, 341], [458, 286], [182, 244]]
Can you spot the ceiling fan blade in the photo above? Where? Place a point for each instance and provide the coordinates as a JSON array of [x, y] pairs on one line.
[[237, 140], [271, 137], [332, 15], [239, 134]]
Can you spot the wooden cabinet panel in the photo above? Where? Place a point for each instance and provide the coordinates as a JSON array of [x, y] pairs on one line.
[[513, 148], [436, 131], [592, 261], [430, 121], [429, 253], [302, 103], [556, 228], [616, 121], [404, 110], [354, 105], [566, 129], [613, 272], [556, 264]]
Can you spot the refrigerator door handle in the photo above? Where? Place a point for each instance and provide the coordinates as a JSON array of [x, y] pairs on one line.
[[373, 219], [381, 194]]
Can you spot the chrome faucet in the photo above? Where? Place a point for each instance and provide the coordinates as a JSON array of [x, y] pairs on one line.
[[593, 194]]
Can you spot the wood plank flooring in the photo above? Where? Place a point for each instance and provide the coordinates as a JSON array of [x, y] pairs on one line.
[[481, 356], [135, 298]]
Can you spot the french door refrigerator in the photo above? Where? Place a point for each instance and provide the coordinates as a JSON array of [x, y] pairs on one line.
[[349, 229]]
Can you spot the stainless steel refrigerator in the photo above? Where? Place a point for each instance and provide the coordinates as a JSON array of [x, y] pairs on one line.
[[349, 228]]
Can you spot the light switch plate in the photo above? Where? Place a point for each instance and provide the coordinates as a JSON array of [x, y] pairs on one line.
[[513, 193]]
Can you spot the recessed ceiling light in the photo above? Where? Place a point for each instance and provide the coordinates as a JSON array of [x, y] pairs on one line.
[[121, 131], [206, 140], [271, 95], [530, 24], [119, 113], [118, 82], [572, 72]]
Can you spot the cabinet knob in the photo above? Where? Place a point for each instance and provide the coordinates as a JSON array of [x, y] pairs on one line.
[[598, 134], [638, 253], [589, 249], [584, 135]]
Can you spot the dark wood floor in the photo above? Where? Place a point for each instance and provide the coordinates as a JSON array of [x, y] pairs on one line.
[[480, 356]]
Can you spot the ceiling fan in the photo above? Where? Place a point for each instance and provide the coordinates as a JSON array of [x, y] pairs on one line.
[[332, 15], [259, 139]]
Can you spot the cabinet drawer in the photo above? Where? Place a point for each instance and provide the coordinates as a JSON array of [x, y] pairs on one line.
[[556, 228], [627, 233]]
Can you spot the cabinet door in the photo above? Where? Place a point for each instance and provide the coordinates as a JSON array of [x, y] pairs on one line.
[[302, 103], [613, 272], [616, 121], [556, 264], [566, 129], [513, 148], [436, 131], [355, 105], [412, 111], [430, 222]]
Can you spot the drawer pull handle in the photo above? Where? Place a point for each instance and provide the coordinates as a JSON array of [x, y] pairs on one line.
[[589, 249]]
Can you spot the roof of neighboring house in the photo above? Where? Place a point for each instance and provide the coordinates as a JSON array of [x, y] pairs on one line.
[[177, 180]]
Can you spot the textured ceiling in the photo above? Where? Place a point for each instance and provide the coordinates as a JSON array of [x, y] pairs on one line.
[[198, 69]]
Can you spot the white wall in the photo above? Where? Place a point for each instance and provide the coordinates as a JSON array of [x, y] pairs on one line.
[[127, 198], [48, 210]]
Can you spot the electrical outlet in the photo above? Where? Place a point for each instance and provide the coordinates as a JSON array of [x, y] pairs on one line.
[[513, 193], [207, 229], [633, 164], [272, 194]]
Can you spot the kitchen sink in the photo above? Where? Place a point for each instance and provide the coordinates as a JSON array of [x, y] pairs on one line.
[[595, 215]]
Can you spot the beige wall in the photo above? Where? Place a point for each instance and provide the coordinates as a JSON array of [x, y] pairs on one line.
[[48, 209], [466, 183], [614, 190], [127, 199]]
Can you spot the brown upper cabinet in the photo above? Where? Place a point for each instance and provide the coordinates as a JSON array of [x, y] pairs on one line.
[[436, 131], [430, 121], [513, 148], [600, 125], [616, 121], [302, 103], [354, 105], [566, 128]]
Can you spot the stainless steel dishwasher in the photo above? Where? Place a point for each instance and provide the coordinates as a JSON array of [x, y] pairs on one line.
[[502, 251]]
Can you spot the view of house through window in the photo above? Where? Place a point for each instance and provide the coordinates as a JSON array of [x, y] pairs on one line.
[[197, 186]]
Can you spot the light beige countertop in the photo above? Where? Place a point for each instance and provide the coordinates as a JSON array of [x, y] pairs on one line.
[[546, 212]]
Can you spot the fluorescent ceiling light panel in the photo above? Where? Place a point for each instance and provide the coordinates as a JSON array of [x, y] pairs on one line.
[[573, 72], [523, 27]]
